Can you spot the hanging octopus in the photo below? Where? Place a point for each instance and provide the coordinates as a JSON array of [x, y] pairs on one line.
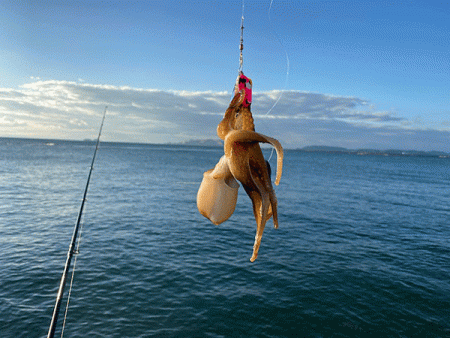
[[243, 161]]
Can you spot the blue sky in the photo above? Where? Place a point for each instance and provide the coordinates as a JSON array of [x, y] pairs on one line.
[[361, 73]]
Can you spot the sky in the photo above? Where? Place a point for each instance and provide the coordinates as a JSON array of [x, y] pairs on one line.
[[354, 74]]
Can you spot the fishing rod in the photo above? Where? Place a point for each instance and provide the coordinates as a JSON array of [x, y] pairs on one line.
[[72, 251]]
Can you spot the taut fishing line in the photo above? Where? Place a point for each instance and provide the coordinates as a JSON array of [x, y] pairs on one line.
[[241, 59], [241, 45]]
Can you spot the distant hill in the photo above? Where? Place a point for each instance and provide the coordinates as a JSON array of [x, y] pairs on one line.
[[388, 152], [204, 143], [326, 149], [331, 149]]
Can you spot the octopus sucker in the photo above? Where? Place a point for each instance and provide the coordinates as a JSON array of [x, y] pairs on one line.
[[242, 162]]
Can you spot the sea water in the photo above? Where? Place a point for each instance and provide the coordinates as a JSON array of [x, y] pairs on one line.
[[362, 249]]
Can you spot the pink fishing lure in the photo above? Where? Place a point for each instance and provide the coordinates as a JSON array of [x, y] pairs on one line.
[[243, 82]]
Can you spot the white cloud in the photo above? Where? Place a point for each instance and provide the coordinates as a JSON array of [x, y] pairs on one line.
[[72, 110]]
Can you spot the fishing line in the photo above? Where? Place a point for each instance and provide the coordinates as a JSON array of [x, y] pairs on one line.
[[77, 250], [287, 59], [287, 66], [241, 59]]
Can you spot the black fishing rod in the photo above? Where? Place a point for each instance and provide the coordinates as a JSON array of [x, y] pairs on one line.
[[71, 252]]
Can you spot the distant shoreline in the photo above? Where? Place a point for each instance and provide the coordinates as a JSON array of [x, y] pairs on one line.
[[214, 143], [377, 152], [336, 150]]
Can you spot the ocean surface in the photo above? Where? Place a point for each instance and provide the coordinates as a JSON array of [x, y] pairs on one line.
[[363, 247]]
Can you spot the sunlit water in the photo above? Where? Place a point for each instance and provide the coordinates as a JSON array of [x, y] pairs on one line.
[[362, 250]]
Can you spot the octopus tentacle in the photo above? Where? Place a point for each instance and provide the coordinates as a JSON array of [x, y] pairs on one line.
[[247, 136], [261, 202], [248, 166], [273, 208]]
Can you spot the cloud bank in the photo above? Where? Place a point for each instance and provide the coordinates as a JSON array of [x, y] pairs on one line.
[[72, 110]]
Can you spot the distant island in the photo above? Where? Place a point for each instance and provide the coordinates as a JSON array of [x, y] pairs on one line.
[[335, 150], [388, 152], [203, 143]]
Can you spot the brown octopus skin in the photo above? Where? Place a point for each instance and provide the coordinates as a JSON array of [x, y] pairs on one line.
[[247, 164]]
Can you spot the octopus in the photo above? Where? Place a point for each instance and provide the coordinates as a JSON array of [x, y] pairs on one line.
[[243, 162]]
